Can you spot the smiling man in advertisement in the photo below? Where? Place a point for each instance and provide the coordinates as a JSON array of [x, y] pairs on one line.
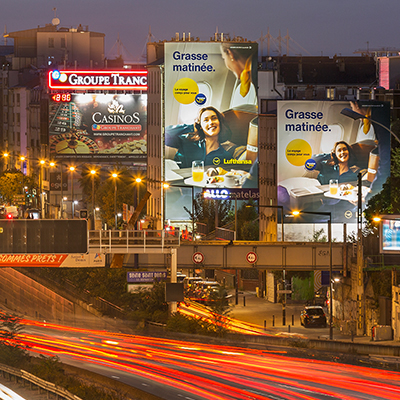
[[211, 126], [321, 154]]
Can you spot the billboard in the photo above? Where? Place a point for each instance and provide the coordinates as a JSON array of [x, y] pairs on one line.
[[98, 80], [211, 125], [98, 127], [321, 153], [390, 234]]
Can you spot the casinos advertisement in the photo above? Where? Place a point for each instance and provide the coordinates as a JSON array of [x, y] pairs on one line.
[[98, 127], [322, 153], [211, 126]]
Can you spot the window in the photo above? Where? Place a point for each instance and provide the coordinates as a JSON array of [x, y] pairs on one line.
[[18, 119], [63, 43], [18, 99], [330, 93], [51, 42]]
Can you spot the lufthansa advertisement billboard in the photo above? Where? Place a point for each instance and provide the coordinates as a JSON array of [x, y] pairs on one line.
[[322, 153], [211, 125], [98, 127]]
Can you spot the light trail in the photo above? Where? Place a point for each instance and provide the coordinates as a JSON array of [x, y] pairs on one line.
[[203, 371]]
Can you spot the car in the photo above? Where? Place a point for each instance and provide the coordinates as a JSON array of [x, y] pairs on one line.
[[8, 212], [313, 316], [321, 297], [189, 281]]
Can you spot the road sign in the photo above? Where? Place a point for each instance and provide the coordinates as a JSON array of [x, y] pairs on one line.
[[198, 258], [251, 257]]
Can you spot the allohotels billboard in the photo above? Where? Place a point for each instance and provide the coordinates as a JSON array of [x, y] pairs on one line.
[[211, 126]]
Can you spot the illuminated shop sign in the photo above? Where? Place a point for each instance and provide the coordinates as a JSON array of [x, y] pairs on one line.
[[224, 194], [113, 80]]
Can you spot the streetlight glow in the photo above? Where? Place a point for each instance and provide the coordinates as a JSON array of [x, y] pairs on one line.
[[377, 219], [295, 213]]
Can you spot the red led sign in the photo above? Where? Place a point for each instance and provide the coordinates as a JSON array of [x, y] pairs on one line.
[[113, 80], [61, 97]]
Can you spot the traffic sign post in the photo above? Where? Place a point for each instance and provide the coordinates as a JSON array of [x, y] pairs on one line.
[[198, 258], [251, 257]]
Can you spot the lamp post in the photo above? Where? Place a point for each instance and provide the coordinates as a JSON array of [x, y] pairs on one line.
[[93, 173], [328, 214], [138, 180], [6, 155], [41, 162], [72, 169], [115, 176]]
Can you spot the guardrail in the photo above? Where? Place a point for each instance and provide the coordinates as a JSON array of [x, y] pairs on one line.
[[124, 241], [49, 387]]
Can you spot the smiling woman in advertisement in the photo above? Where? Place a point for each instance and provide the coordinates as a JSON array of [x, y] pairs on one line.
[[340, 164], [200, 141]]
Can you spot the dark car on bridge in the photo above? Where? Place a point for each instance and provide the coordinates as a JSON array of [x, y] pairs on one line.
[[313, 316]]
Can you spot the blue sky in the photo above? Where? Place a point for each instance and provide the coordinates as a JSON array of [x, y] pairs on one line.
[[315, 27]]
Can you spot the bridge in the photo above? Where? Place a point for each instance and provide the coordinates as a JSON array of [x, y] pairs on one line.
[[42, 242]]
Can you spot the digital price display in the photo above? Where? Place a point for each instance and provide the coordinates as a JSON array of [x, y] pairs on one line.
[[61, 97]]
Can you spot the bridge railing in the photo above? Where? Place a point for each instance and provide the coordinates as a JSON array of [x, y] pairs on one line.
[[124, 241]]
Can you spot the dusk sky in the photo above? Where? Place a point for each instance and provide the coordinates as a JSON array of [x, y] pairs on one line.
[[315, 27]]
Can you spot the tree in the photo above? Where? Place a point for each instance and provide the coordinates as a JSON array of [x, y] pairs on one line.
[[105, 192], [247, 220], [12, 183], [220, 307], [204, 211], [387, 201], [12, 351]]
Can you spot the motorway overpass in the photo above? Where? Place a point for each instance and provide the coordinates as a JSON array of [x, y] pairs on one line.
[[57, 242]]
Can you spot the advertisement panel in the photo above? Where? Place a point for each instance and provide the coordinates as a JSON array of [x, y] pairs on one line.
[[98, 127], [98, 80], [321, 153], [390, 234], [211, 126]]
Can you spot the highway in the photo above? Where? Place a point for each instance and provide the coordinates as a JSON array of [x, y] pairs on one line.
[[174, 369]]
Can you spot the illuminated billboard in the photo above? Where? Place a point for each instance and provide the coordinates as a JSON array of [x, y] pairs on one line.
[[390, 234], [211, 125], [321, 153], [98, 80], [98, 126]]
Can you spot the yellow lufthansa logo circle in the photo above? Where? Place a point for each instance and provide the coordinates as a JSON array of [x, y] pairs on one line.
[[298, 151], [1, 230], [216, 161], [185, 91]]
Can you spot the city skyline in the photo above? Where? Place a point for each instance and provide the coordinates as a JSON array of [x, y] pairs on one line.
[[314, 27]]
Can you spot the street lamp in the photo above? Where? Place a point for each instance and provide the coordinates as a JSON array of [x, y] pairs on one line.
[[6, 155], [72, 169], [93, 173], [41, 162], [115, 176], [328, 214]]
